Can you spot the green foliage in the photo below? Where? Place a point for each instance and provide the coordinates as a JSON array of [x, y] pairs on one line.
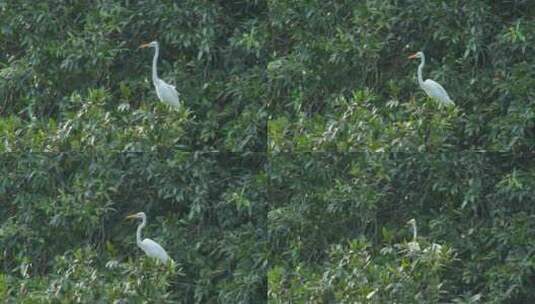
[[354, 273], [76, 66], [358, 123], [312, 106], [76, 279], [481, 52], [478, 205], [63, 227]]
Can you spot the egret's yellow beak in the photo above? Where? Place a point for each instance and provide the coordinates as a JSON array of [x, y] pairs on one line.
[[412, 56], [143, 46], [131, 216]]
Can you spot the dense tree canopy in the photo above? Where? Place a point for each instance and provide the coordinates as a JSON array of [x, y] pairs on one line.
[[338, 229], [341, 77], [73, 68], [63, 236], [302, 147]]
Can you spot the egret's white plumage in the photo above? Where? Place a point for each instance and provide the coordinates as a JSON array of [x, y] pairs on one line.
[[150, 247], [166, 92], [413, 245], [432, 88]]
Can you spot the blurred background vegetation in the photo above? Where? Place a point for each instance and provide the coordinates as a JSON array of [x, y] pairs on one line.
[[63, 238]]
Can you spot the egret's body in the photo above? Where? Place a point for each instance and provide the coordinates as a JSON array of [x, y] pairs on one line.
[[166, 92], [150, 247], [432, 88], [413, 245]]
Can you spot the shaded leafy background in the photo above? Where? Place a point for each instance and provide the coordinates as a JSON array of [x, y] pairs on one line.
[[340, 78], [338, 232], [64, 239]]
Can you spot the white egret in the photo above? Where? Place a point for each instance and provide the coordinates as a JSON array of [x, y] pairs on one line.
[[432, 88], [150, 247], [413, 245], [166, 92]]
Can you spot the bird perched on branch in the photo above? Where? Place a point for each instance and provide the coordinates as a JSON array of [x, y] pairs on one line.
[[413, 245], [150, 247], [166, 92], [432, 88]]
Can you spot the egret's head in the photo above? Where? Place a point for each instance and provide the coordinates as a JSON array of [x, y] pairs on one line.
[[417, 55], [412, 222], [139, 215], [151, 44]]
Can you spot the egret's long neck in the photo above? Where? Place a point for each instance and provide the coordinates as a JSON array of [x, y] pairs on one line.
[[138, 233], [414, 232], [154, 62], [420, 68]]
